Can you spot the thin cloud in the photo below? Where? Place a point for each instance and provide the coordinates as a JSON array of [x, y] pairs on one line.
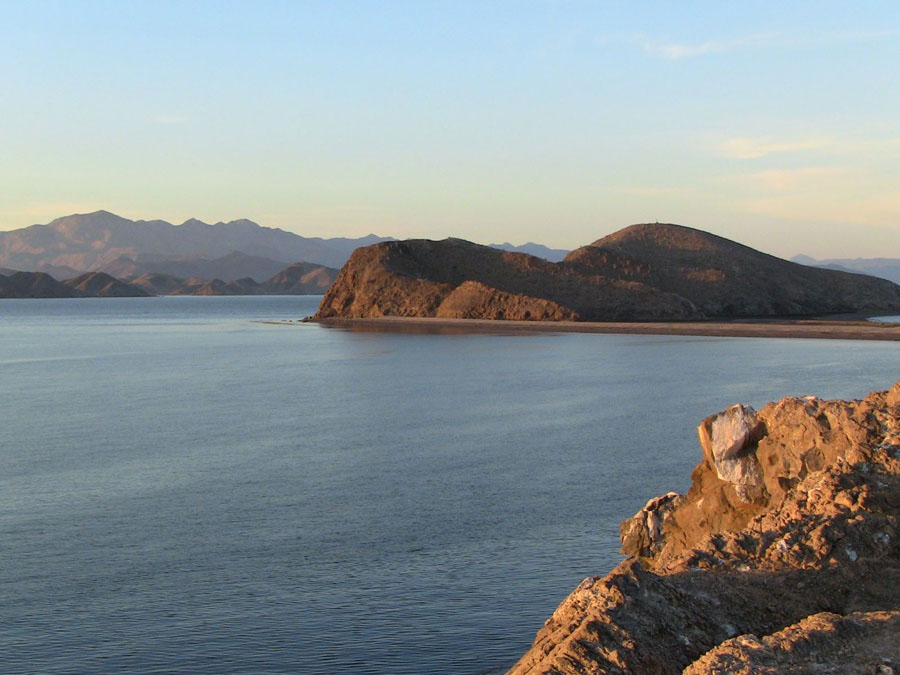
[[678, 50], [753, 148], [784, 180]]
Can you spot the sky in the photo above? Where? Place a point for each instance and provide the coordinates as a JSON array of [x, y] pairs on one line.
[[776, 124]]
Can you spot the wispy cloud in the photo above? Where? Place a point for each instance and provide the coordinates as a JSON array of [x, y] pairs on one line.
[[784, 180], [680, 50], [753, 148], [881, 209]]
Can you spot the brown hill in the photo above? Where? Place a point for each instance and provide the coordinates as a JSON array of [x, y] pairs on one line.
[[644, 272], [102, 285], [301, 278], [246, 286], [33, 285], [784, 555], [158, 284]]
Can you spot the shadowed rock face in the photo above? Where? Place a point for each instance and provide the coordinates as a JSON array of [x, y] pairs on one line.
[[644, 272], [33, 285], [794, 563], [89, 285]]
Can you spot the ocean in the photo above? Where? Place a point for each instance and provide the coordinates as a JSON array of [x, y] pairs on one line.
[[203, 484]]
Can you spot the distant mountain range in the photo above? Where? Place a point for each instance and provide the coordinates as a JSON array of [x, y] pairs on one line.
[[103, 241], [537, 250], [127, 249], [886, 268], [296, 279]]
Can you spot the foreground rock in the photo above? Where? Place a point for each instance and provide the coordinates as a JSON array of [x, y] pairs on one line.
[[644, 272], [784, 555]]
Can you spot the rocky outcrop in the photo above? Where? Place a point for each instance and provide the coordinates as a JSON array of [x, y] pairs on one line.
[[644, 272], [860, 643], [784, 553], [474, 300]]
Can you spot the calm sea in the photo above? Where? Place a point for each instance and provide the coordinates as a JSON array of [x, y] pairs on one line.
[[186, 487]]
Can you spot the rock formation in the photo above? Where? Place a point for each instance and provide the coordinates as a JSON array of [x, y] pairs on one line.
[[784, 555], [644, 272]]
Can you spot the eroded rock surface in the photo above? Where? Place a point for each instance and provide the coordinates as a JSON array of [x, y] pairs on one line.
[[784, 554]]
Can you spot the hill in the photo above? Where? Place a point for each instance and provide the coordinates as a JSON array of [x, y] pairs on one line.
[[102, 285], [643, 272], [33, 285], [42, 285]]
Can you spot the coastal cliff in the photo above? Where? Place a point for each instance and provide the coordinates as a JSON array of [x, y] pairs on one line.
[[784, 555], [643, 272]]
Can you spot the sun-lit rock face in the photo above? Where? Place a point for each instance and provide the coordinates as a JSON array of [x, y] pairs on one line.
[[793, 562]]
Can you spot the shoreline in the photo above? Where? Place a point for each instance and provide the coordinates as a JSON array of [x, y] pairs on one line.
[[822, 329]]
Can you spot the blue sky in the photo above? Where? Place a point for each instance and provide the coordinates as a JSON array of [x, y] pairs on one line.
[[557, 121]]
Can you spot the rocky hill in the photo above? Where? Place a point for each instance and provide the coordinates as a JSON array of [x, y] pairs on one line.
[[102, 285], [643, 272], [33, 285], [301, 279], [90, 285], [784, 555]]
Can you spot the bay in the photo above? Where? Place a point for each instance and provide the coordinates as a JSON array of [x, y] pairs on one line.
[[202, 484]]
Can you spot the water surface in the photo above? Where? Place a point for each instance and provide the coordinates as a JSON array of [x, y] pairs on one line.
[[186, 486]]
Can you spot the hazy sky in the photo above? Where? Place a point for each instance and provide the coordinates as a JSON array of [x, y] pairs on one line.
[[557, 121]]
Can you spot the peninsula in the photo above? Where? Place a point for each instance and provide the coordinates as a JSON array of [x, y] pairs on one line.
[[648, 272]]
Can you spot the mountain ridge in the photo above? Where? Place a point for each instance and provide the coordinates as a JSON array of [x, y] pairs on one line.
[[87, 242]]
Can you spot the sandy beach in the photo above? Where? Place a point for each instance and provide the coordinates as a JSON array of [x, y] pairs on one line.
[[829, 329]]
